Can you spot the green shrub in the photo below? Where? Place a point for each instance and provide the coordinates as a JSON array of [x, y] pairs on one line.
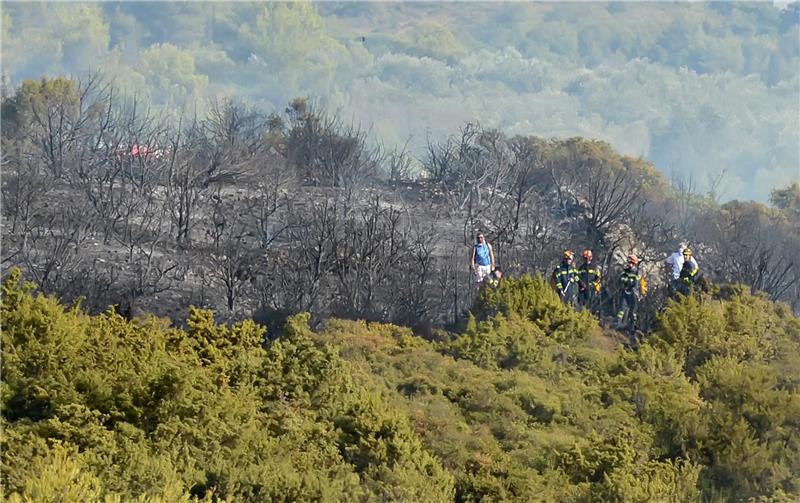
[[745, 326], [523, 406], [534, 299], [651, 482], [499, 343], [754, 426]]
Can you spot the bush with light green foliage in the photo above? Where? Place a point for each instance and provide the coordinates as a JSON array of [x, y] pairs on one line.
[[533, 298], [108, 408], [742, 354], [525, 405]]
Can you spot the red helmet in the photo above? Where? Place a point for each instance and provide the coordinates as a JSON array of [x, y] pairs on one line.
[[633, 259], [569, 255], [587, 254]]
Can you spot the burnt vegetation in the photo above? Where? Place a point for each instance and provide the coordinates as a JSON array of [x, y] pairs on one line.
[[258, 215]]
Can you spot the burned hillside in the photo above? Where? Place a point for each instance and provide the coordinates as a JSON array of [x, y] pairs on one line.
[[257, 215]]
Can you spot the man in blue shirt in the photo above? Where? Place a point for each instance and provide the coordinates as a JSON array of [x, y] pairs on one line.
[[482, 261]]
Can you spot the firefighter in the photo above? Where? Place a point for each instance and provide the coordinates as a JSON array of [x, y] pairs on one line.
[[689, 273], [633, 288], [589, 276], [565, 279]]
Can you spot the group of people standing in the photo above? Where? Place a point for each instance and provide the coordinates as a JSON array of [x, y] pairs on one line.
[[683, 269], [582, 286], [577, 285]]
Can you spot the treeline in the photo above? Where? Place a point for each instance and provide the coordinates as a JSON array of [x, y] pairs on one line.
[[264, 215], [530, 402], [554, 70], [741, 39]]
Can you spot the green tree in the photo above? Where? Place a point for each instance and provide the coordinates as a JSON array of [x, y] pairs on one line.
[[788, 201], [54, 38], [171, 77]]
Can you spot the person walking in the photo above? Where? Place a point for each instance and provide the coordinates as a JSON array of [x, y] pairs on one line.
[[482, 261]]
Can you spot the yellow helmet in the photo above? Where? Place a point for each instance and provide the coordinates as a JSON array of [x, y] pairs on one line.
[[687, 251]]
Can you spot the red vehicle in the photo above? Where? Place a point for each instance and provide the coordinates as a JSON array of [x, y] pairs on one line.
[[145, 151]]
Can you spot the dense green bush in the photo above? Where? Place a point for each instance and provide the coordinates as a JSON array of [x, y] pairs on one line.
[[107, 407], [534, 299], [519, 407]]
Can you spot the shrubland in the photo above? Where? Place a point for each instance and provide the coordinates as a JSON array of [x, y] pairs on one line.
[[532, 401]]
